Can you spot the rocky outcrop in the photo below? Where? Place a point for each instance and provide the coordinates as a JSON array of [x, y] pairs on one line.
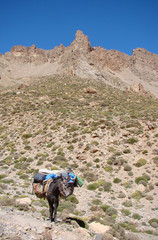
[[138, 73], [144, 65]]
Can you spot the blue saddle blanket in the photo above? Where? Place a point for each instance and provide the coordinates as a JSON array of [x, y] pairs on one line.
[[50, 176]]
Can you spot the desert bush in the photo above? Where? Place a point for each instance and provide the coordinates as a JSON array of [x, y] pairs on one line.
[[6, 201], [2, 176], [153, 222], [27, 135], [126, 151], [127, 184], [132, 140], [151, 186], [127, 203], [108, 168], [70, 147], [66, 205], [96, 201], [121, 195], [92, 186], [7, 161], [129, 226], [136, 216], [127, 167], [131, 236], [97, 160], [59, 160], [111, 211], [155, 160], [90, 176], [130, 174], [73, 199], [105, 207], [3, 186], [141, 162], [117, 180], [49, 145], [45, 212], [149, 197], [142, 178], [106, 186], [145, 152], [136, 195], [125, 212]]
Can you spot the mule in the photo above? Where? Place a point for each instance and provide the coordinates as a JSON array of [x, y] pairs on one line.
[[57, 188]]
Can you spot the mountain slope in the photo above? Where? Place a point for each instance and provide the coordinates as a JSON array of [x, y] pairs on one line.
[[107, 136]]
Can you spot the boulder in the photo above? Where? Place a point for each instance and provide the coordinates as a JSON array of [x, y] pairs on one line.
[[98, 227], [23, 201]]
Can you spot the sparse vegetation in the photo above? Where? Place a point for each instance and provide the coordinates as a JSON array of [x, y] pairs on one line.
[[97, 135]]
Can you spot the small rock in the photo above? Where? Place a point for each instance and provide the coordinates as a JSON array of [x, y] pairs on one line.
[[47, 236], [48, 225], [98, 237], [98, 227], [107, 236], [23, 201], [131, 236], [40, 231], [74, 224]]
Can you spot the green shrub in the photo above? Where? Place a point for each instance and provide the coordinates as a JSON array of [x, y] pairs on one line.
[[92, 186], [127, 203], [2, 176], [128, 226], [111, 211], [136, 216], [153, 222], [121, 195], [155, 160], [145, 152], [126, 151], [132, 140], [26, 135], [117, 180], [126, 212], [127, 184], [127, 167], [6, 201], [66, 205], [136, 195], [108, 168], [70, 147], [107, 186], [73, 199], [90, 176], [96, 201], [105, 207], [141, 162], [142, 178]]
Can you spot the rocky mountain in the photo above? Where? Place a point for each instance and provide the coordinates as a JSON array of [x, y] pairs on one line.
[[138, 72]]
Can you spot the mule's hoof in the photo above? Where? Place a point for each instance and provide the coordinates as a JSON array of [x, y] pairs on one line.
[[52, 219]]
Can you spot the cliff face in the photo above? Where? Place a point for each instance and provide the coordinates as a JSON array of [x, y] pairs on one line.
[[80, 59]]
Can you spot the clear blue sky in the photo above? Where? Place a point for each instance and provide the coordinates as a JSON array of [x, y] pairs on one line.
[[113, 24]]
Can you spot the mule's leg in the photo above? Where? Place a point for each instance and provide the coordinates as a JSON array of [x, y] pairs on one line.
[[55, 209], [51, 210]]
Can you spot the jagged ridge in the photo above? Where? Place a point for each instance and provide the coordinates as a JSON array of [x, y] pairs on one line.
[[138, 72]]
